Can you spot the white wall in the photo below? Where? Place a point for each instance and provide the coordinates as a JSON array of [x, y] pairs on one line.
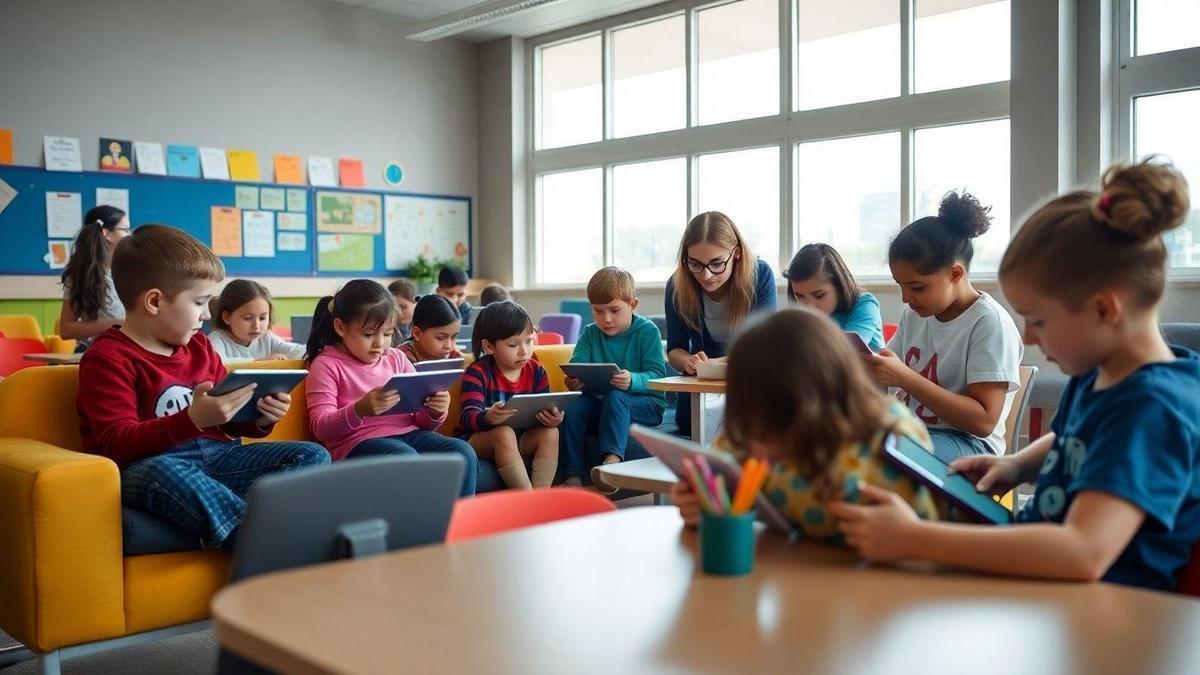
[[291, 76]]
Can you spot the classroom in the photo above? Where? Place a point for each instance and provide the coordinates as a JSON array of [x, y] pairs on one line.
[[616, 336]]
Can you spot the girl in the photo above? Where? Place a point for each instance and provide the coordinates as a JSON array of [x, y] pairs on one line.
[[1118, 479], [350, 360], [819, 278], [505, 366], [243, 317], [815, 416], [956, 357], [435, 324], [718, 282], [90, 302], [405, 293]]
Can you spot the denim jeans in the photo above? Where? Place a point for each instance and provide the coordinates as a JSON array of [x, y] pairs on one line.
[[607, 416], [421, 442], [950, 444], [201, 485]]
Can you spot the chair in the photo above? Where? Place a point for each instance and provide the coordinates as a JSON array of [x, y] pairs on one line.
[[660, 320], [578, 306], [13, 351], [1182, 334], [282, 331], [889, 329], [26, 326], [1012, 425], [498, 512], [548, 338], [566, 325], [301, 327]]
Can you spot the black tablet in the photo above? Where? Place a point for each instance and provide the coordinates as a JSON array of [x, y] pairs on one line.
[[415, 387], [595, 376], [268, 381], [529, 405], [439, 364], [906, 455]]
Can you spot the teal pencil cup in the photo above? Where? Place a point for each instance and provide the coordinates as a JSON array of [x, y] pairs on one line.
[[727, 544]]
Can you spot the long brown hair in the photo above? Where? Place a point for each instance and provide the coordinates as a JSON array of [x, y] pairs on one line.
[[90, 256], [1084, 241], [235, 294], [793, 379], [714, 227], [824, 259]]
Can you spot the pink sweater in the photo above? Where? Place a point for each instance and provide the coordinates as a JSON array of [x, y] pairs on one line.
[[336, 381]]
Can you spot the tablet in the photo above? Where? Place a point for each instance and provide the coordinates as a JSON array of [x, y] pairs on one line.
[[529, 405], [924, 467], [414, 388], [858, 343], [595, 376], [268, 381], [672, 450], [440, 364]]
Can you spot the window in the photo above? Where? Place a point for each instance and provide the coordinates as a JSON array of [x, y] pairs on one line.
[[649, 203], [744, 185], [1166, 125], [864, 43], [649, 78], [739, 61], [571, 106], [961, 42], [570, 226], [1166, 25]]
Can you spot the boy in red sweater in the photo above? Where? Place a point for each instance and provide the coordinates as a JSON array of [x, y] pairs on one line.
[[143, 394]]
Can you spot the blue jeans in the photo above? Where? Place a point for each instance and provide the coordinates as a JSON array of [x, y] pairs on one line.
[[421, 442], [609, 417], [201, 485], [951, 444]]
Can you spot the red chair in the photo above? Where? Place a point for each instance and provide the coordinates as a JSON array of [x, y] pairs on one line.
[[282, 331], [13, 351], [1189, 578], [889, 329], [548, 338], [498, 512]]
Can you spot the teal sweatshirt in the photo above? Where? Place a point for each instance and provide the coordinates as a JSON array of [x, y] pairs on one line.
[[638, 349]]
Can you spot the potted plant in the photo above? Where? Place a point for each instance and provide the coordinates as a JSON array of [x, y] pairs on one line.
[[424, 273]]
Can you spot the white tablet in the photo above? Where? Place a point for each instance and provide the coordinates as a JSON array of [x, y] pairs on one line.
[[529, 405], [595, 376], [440, 364], [415, 387]]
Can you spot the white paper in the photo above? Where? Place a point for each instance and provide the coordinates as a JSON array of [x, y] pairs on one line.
[[113, 197], [62, 153], [214, 164], [293, 241], [295, 222], [431, 226], [258, 234], [7, 194], [149, 158], [64, 214], [320, 172]]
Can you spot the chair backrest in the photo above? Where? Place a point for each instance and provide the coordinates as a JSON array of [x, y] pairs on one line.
[[21, 326], [301, 327], [889, 330], [578, 306], [13, 351], [39, 403], [660, 320], [566, 325], [284, 332], [348, 509], [1182, 334], [549, 338], [1016, 414], [498, 512]]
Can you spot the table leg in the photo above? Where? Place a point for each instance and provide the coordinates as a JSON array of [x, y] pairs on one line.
[[698, 430]]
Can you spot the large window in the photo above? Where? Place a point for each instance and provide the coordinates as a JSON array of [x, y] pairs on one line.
[[649, 201]]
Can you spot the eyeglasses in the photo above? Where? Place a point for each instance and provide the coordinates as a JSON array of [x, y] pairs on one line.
[[718, 267]]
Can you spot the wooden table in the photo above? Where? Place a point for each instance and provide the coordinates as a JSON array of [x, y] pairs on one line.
[[55, 359], [621, 593], [697, 387], [647, 475]]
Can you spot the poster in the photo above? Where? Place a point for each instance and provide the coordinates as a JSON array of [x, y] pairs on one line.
[[114, 197], [116, 155], [271, 199], [148, 157], [6, 146], [213, 164], [246, 197], [297, 200], [429, 226], [243, 165], [64, 214], [289, 170], [62, 153], [258, 234], [320, 172], [183, 160], [293, 241], [350, 172], [349, 213], [227, 231], [345, 252], [294, 222], [58, 255]]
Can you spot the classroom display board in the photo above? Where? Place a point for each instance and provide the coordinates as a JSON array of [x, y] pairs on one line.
[[258, 229]]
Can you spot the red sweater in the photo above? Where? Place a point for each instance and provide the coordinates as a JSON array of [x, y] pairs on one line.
[[133, 404]]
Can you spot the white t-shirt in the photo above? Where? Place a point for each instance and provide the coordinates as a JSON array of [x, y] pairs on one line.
[[267, 344], [980, 345]]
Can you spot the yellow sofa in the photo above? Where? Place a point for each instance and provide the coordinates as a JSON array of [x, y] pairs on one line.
[[65, 582], [25, 326]]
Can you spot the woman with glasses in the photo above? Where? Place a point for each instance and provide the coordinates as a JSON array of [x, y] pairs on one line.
[[90, 302], [717, 284]]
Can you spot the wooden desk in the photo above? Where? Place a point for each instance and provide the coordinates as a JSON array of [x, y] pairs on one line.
[[55, 359], [697, 387], [621, 593], [647, 475]]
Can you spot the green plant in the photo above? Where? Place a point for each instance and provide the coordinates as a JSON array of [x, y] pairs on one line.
[[425, 270]]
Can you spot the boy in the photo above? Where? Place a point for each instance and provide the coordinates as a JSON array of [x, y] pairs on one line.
[[452, 285], [494, 293], [143, 394], [405, 293], [635, 345]]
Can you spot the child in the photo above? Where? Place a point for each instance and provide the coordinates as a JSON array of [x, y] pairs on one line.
[[957, 354], [820, 279], [243, 317], [90, 303], [452, 285], [405, 293], [494, 293], [351, 359], [504, 367], [635, 345], [435, 324], [816, 416], [1118, 479], [143, 394]]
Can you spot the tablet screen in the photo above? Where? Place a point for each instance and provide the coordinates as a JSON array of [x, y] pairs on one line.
[[922, 465]]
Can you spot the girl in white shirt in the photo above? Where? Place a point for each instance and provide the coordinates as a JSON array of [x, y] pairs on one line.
[[242, 317], [90, 303]]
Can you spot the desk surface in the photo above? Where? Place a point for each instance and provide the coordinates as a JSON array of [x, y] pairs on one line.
[[648, 475], [55, 359], [621, 593], [688, 384]]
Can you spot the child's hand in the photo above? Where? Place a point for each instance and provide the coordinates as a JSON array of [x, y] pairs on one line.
[[273, 357], [273, 407], [887, 369], [622, 380], [687, 501], [497, 414], [439, 403], [991, 474], [213, 411], [573, 383], [550, 418], [881, 531], [376, 402], [689, 365]]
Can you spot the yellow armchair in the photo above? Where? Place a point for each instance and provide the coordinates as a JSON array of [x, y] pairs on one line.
[[25, 326]]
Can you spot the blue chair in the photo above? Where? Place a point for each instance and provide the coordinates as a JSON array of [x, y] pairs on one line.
[[579, 306]]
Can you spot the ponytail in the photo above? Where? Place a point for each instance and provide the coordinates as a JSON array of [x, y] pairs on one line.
[[84, 276]]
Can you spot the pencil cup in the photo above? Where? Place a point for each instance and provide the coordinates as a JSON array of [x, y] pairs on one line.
[[727, 544]]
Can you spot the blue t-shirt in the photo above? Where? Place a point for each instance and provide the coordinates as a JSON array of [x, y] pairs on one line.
[[863, 318], [1140, 441]]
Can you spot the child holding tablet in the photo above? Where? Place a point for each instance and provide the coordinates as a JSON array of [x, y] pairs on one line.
[[820, 279]]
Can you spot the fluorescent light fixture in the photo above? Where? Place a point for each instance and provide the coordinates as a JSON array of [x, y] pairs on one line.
[[473, 17]]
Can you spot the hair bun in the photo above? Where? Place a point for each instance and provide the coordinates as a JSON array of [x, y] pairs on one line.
[[1146, 199], [964, 215]]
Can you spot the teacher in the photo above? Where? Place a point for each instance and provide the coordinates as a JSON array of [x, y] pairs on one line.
[[718, 283]]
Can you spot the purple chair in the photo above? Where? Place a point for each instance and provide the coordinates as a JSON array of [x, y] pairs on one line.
[[566, 325]]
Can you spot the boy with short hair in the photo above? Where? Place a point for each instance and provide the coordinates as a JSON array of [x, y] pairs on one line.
[[452, 285], [143, 394], [405, 293], [494, 293], [633, 343]]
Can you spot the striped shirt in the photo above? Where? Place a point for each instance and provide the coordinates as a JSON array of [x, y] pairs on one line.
[[483, 385]]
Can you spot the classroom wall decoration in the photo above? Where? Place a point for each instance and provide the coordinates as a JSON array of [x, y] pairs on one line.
[[349, 212], [435, 227], [116, 155]]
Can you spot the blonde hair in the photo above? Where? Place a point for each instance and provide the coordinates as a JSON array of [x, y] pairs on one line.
[[611, 283], [1079, 243], [714, 227]]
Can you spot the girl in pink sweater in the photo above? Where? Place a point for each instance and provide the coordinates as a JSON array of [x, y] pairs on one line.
[[350, 361]]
